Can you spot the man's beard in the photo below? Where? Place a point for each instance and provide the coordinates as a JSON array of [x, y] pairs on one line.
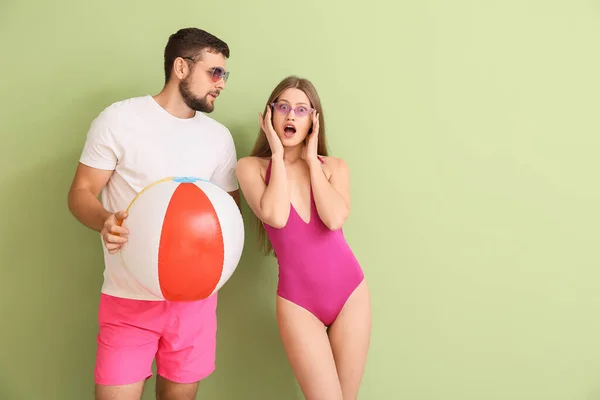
[[192, 101]]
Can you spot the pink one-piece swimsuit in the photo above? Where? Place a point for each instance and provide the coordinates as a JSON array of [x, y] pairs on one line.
[[317, 269]]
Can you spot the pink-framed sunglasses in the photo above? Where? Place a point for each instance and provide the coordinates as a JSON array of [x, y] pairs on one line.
[[285, 109]]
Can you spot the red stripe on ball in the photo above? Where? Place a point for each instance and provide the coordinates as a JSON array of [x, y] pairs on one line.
[[191, 249]]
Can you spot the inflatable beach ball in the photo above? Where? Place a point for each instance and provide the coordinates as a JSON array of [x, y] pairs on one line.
[[186, 237]]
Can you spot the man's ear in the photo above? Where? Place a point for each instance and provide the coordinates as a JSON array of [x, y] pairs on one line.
[[181, 68]]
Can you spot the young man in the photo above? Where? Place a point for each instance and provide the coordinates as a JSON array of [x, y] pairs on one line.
[[131, 144]]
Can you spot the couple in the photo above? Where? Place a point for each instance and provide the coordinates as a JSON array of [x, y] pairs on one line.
[[299, 195]]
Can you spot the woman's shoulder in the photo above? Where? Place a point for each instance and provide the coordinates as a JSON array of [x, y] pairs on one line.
[[332, 160], [252, 163], [333, 164], [252, 160]]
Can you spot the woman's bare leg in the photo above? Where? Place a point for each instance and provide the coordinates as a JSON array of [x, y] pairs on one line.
[[308, 350], [350, 336]]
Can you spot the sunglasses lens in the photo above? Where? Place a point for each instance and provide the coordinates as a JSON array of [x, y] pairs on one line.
[[302, 111], [282, 108], [218, 73]]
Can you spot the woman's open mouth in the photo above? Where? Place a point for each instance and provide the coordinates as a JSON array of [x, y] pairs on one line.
[[289, 130]]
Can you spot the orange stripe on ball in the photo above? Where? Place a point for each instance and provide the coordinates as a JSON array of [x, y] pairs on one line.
[[191, 249]]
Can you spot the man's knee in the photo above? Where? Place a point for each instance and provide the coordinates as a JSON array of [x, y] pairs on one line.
[[121, 392], [169, 390]]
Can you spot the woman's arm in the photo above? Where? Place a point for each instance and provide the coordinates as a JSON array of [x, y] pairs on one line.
[[270, 203], [332, 197]]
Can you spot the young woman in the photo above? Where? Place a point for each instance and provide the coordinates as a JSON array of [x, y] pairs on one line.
[[301, 198]]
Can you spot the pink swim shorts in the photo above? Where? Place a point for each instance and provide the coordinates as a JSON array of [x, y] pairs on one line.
[[180, 335]]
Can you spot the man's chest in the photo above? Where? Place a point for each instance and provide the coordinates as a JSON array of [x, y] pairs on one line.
[[154, 157]]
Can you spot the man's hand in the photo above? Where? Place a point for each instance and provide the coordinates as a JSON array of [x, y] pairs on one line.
[[113, 233]]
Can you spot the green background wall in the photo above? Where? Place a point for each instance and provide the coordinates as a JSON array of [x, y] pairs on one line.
[[471, 129]]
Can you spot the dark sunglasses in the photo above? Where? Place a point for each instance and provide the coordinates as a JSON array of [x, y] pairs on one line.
[[217, 73]]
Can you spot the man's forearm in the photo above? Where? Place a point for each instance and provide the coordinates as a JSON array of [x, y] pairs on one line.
[[87, 208]]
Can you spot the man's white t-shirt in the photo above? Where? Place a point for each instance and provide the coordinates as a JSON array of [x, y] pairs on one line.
[[142, 143]]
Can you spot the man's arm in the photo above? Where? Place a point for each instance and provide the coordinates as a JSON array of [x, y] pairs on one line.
[[98, 161], [96, 165], [83, 195], [84, 204]]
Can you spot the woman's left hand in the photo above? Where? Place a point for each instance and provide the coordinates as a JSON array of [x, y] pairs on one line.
[[310, 153]]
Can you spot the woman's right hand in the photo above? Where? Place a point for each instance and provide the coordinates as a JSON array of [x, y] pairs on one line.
[[267, 126]]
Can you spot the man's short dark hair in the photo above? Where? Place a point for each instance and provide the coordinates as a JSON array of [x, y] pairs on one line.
[[191, 42]]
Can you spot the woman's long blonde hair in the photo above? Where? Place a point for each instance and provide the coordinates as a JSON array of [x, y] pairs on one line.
[[261, 146]]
